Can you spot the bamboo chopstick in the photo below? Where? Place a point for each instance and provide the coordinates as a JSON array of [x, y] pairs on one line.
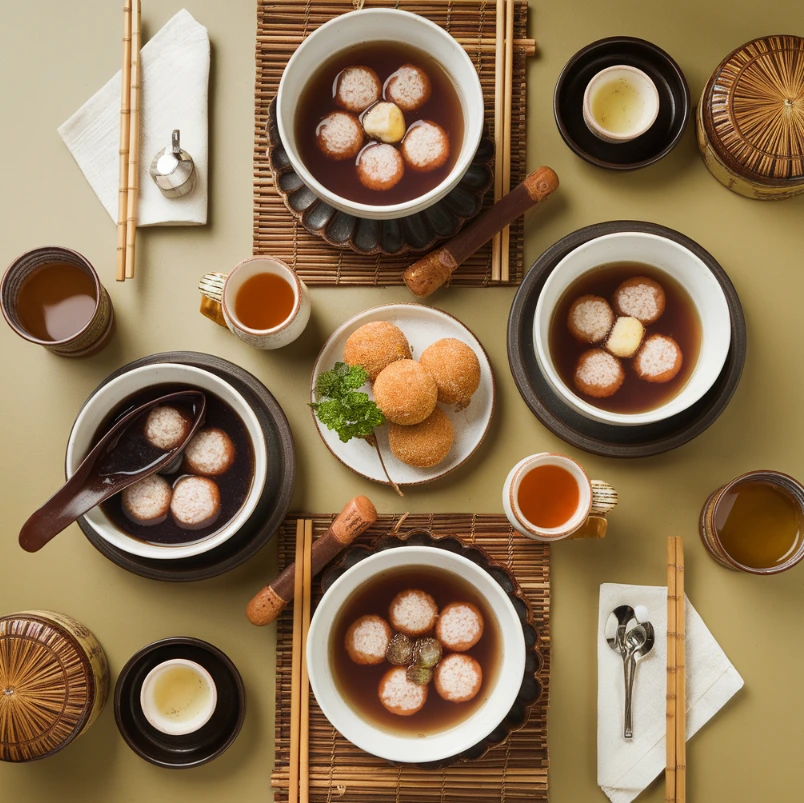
[[676, 735], [296, 664], [681, 678], [125, 113], [304, 736], [134, 139], [670, 763], [505, 242], [499, 131]]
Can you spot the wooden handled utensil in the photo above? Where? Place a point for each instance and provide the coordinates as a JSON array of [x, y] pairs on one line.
[[356, 517], [429, 273]]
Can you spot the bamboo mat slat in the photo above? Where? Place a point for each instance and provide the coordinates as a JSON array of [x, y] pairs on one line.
[[339, 771], [281, 26]]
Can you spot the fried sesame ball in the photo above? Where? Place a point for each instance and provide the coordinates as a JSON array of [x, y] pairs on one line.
[[425, 146], [455, 368], [380, 167], [406, 392], [409, 87], [147, 502], [460, 626], [375, 346], [209, 453], [641, 298], [598, 374], [356, 88], [196, 503], [659, 359], [400, 695], [339, 136], [590, 319], [412, 612], [384, 121], [367, 639], [166, 427], [458, 678], [422, 445]]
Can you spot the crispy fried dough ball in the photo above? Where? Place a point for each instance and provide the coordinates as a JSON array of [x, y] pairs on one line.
[[641, 298], [405, 392], [375, 346], [367, 639], [400, 695], [422, 445], [356, 88], [455, 368], [339, 136], [590, 319], [598, 374], [659, 359], [425, 146], [380, 167], [409, 87]]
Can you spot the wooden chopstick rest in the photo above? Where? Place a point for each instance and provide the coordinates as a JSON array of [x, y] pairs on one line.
[[429, 273], [355, 518]]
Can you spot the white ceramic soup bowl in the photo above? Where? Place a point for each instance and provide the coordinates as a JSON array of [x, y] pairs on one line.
[[379, 25], [104, 400], [673, 259], [415, 748]]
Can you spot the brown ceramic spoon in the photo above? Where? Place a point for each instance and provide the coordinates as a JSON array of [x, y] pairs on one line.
[[108, 469]]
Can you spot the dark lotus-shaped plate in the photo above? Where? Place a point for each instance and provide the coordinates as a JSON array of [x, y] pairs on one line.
[[192, 749], [531, 689], [271, 507], [412, 234], [674, 103], [596, 437]]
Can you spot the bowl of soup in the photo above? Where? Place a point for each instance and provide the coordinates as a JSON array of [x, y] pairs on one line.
[[416, 654], [631, 328], [380, 112], [203, 497]]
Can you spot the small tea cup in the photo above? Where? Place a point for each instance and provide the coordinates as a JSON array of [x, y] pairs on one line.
[[595, 499], [219, 291], [647, 102], [193, 710], [708, 530]]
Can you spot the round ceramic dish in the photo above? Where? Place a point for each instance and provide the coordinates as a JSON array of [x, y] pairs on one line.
[[422, 326], [749, 121], [675, 260], [110, 395], [54, 681], [412, 234], [379, 25], [422, 748], [594, 436], [191, 749], [272, 506], [661, 137]]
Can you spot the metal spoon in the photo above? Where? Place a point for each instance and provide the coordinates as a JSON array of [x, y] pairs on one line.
[[639, 642], [616, 625], [110, 467]]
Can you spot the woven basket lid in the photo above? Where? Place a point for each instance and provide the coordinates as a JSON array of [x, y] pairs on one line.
[[753, 110], [46, 687]]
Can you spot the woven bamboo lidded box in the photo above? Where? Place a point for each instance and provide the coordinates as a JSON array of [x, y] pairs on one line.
[[751, 119], [54, 681]]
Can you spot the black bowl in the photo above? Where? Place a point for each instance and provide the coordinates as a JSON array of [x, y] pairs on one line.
[[192, 749], [674, 103]]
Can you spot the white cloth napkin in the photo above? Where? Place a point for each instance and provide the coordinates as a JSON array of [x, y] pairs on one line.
[[626, 766], [175, 80]]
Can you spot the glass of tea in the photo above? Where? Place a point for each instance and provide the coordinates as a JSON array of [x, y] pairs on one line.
[[548, 497], [262, 301], [53, 297], [755, 523]]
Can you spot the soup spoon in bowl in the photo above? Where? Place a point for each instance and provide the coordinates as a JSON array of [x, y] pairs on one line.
[[111, 466]]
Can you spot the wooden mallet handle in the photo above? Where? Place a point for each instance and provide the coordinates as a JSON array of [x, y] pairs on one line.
[[356, 517], [431, 271]]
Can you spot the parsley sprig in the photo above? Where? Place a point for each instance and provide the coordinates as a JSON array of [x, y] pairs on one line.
[[346, 410]]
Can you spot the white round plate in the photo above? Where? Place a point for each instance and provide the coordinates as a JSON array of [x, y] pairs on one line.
[[422, 326]]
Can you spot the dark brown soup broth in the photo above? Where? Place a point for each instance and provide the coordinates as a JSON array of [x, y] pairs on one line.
[[359, 684], [385, 58], [680, 321], [234, 484]]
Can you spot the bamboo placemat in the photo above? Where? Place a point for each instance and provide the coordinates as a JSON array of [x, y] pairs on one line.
[[281, 26], [339, 771]]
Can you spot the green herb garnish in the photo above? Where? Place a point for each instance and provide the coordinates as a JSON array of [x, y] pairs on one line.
[[342, 407]]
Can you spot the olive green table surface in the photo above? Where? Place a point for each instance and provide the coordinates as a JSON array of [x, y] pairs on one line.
[[54, 55]]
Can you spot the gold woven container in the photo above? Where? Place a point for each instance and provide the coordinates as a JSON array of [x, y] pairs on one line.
[[750, 120], [54, 681]]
